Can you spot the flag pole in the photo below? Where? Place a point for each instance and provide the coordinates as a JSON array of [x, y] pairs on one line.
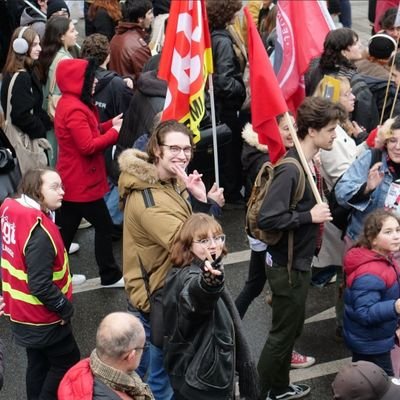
[[303, 160], [214, 128], [394, 101], [389, 80]]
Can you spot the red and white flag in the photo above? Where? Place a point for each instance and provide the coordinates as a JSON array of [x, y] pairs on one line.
[[186, 61], [301, 30], [263, 85]]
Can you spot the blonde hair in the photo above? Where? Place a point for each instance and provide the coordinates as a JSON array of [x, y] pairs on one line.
[[385, 131]]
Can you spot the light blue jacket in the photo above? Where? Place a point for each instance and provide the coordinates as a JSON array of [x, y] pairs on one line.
[[351, 182]]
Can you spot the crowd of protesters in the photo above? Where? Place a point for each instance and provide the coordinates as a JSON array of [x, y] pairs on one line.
[[98, 153]]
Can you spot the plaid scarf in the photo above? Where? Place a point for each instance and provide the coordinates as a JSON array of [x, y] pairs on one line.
[[131, 384]]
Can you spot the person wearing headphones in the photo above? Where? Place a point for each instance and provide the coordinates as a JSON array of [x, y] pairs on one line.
[[26, 94]]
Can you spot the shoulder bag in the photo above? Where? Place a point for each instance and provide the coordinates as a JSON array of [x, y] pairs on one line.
[[31, 153]]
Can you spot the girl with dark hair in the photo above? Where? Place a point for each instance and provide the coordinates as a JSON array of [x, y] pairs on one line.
[[205, 343], [37, 287], [103, 17], [341, 49], [82, 140], [26, 96], [59, 36], [372, 303]]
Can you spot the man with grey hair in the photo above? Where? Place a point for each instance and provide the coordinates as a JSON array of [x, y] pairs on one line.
[[109, 372]]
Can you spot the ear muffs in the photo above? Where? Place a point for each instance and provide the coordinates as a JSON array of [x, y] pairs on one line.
[[20, 45]]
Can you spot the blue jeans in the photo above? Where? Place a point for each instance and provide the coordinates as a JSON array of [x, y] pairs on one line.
[[152, 363], [345, 13], [112, 199]]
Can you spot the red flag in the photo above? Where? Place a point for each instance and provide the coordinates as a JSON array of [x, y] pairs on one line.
[[301, 30], [266, 97], [186, 61]]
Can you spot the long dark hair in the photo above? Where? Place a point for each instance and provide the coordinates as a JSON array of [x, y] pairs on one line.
[[335, 42], [56, 26]]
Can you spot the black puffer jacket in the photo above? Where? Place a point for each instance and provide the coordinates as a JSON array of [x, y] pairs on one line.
[[230, 91]]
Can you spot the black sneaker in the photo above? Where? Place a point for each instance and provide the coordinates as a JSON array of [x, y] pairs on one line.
[[292, 392]]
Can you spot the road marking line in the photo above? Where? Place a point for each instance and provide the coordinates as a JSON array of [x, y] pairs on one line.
[[318, 370], [94, 283], [327, 314]]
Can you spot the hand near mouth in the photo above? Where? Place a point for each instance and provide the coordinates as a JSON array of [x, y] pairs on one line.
[[193, 182]]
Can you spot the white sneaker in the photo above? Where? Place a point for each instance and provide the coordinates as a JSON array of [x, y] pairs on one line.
[[118, 284], [84, 224], [73, 248], [78, 279]]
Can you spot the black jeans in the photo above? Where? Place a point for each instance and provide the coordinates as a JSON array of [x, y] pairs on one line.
[[255, 282], [68, 218], [382, 360], [47, 366]]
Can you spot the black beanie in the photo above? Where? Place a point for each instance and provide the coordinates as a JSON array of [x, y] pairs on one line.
[[381, 46], [56, 5]]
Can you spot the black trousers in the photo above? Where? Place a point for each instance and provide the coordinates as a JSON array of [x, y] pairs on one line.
[[68, 218], [47, 366], [254, 284], [382, 360]]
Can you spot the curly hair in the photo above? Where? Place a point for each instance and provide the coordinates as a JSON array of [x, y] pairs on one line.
[[221, 12], [335, 42], [111, 6], [96, 46], [372, 226], [196, 227]]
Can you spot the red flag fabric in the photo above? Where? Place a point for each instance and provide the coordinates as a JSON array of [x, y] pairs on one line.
[[266, 97], [301, 28], [186, 61]]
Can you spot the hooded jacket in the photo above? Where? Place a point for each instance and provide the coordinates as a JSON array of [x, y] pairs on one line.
[[154, 213], [81, 139], [33, 19], [129, 50], [370, 317]]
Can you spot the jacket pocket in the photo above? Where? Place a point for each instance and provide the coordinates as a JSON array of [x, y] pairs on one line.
[[177, 357], [213, 365]]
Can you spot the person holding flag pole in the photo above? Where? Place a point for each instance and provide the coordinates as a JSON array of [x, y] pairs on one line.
[[289, 280]]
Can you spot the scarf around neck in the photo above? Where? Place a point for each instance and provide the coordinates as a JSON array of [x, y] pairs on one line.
[[131, 384]]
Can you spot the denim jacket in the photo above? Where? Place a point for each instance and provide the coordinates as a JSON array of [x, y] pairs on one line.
[[351, 182]]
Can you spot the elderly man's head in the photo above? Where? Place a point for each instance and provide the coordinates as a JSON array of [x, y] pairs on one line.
[[120, 341]]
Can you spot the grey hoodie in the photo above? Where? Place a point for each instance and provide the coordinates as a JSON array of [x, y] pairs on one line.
[[33, 19]]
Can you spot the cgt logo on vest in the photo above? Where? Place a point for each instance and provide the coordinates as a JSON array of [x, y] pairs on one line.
[[8, 233]]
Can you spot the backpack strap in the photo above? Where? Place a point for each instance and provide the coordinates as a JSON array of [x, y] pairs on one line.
[[148, 198], [296, 197]]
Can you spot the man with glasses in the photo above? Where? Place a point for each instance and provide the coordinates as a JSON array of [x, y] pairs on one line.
[[109, 372], [158, 198]]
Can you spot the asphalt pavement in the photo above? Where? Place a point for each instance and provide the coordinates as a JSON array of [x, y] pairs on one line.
[[93, 303]]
